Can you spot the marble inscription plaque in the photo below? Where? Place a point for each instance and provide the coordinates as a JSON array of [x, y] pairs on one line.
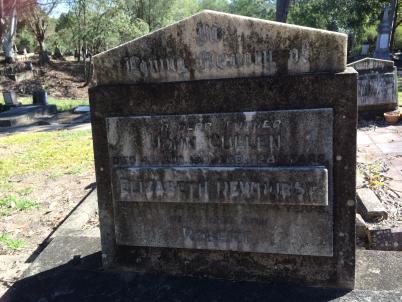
[[280, 185], [248, 181], [298, 230], [265, 138]]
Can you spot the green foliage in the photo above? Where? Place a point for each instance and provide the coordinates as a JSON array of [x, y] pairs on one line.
[[254, 8], [11, 203], [398, 39], [97, 25], [218, 5], [25, 39], [10, 243], [351, 17]]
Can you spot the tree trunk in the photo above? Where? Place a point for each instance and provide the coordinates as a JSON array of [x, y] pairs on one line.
[[9, 34], [282, 8], [395, 6]]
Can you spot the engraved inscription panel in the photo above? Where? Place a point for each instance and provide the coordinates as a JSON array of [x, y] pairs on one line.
[[274, 138], [240, 227], [248, 181], [280, 186]]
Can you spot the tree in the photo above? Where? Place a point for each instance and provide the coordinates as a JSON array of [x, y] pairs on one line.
[[397, 20], [351, 17], [8, 24], [218, 5], [38, 23], [264, 9], [282, 8]]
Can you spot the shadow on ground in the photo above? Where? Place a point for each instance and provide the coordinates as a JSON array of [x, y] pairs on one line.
[[82, 279]]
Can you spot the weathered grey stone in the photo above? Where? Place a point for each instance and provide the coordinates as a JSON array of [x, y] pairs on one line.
[[379, 271], [388, 239], [25, 115], [241, 185], [371, 64], [211, 45], [246, 138], [377, 86], [369, 206], [361, 227], [384, 32], [10, 98], [117, 110], [157, 140], [291, 137]]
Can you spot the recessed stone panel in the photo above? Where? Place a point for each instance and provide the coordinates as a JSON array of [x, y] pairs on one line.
[[233, 185], [243, 227], [243, 173], [287, 137]]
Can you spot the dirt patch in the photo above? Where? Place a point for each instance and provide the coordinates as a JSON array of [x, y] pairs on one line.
[[61, 79], [55, 198]]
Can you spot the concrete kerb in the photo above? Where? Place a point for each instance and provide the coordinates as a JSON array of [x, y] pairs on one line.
[[79, 217]]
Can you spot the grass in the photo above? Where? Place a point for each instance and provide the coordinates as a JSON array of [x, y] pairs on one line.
[[10, 243], [11, 203], [61, 104], [43, 153], [373, 173], [400, 91]]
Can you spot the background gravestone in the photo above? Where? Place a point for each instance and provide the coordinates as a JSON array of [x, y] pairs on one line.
[[377, 86], [248, 174]]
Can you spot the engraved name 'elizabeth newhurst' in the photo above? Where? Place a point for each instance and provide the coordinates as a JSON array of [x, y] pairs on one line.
[[268, 192]]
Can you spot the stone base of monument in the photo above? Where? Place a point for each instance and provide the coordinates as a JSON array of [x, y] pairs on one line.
[[25, 115], [70, 269]]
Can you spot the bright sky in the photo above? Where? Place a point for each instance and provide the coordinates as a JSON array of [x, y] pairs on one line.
[[59, 9]]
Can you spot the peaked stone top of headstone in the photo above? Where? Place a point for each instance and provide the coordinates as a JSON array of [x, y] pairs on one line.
[[373, 64], [212, 45]]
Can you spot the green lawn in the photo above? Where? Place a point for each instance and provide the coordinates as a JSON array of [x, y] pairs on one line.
[[62, 104], [41, 154]]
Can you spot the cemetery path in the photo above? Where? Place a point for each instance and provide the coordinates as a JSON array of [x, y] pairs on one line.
[[379, 158]]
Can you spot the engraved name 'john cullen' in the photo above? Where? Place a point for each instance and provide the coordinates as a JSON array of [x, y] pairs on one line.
[[219, 139]]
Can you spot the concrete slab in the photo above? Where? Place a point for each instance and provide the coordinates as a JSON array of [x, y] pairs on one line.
[[379, 270], [391, 148], [69, 269], [24, 115], [381, 138], [363, 138]]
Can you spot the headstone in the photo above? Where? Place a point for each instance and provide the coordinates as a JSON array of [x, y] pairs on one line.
[[246, 175], [365, 49], [39, 97], [383, 36], [377, 87], [57, 54], [10, 98]]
